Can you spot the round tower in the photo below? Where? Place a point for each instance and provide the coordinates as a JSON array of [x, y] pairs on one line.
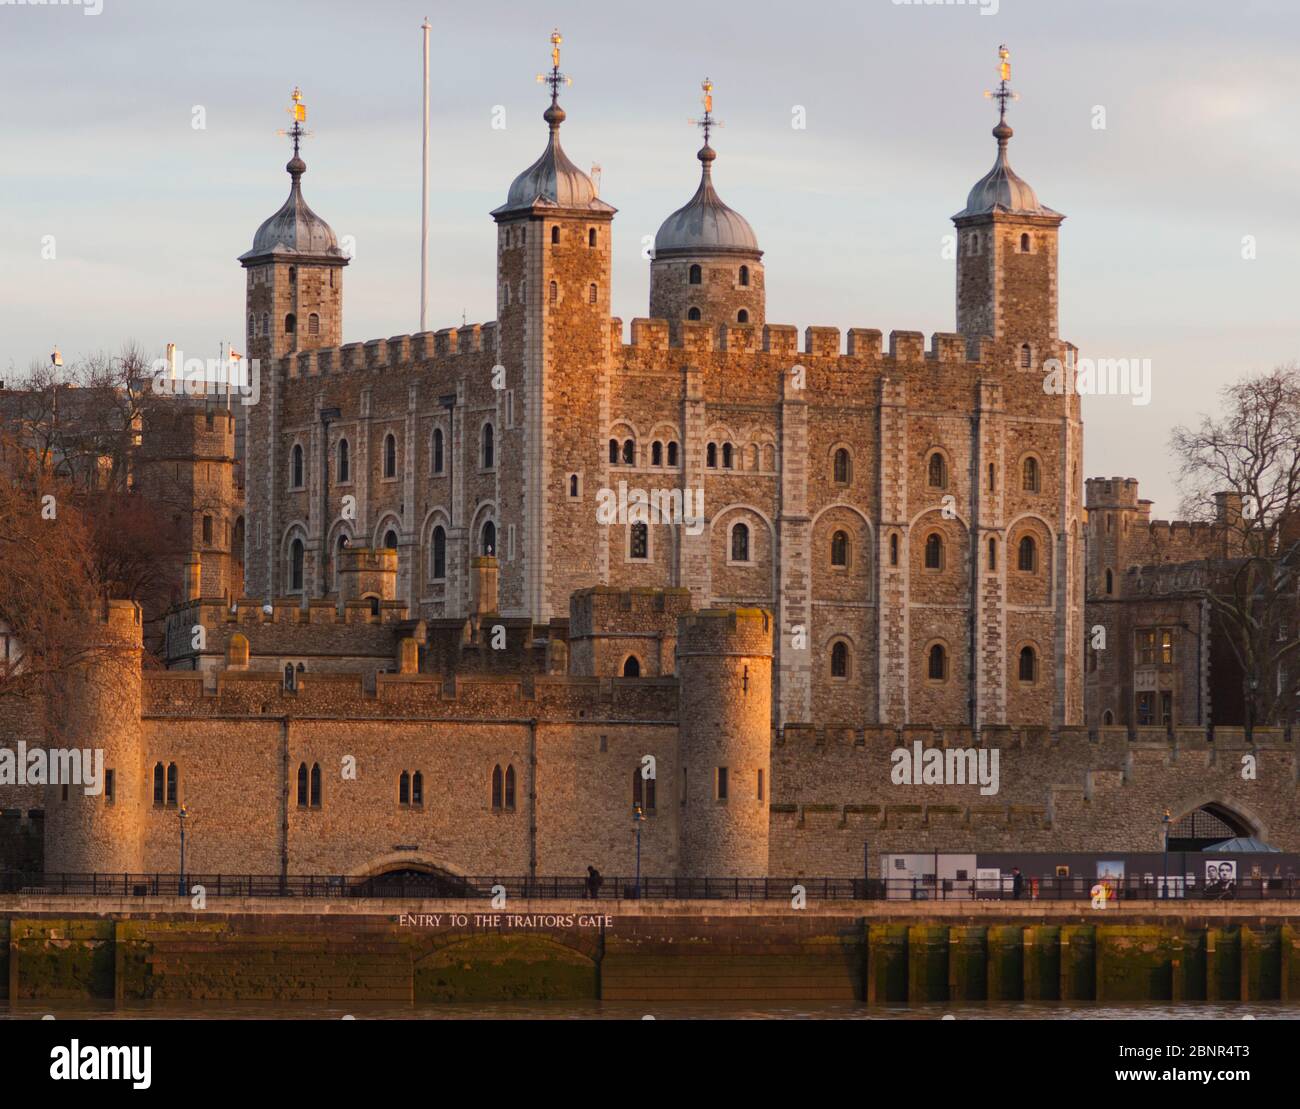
[[724, 663], [101, 831], [707, 267]]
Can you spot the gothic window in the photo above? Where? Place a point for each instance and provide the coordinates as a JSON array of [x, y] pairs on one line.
[[840, 549], [489, 545], [344, 463], [555, 233], [575, 488], [1030, 479], [841, 467], [1028, 554], [638, 541], [1028, 664], [695, 276], [632, 667], [315, 785], [439, 568], [390, 455], [296, 467], [437, 450], [693, 314], [711, 456], [404, 789], [934, 551], [744, 278], [290, 324], [172, 784], [672, 454], [742, 316], [740, 543], [158, 779], [510, 788], [656, 453], [840, 660], [417, 788], [937, 471], [937, 665], [489, 453], [296, 554]]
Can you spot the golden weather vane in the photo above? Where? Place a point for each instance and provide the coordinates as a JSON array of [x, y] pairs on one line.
[[707, 122], [555, 78], [298, 113], [1003, 92]]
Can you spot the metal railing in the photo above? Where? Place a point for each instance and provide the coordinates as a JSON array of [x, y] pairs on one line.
[[412, 885]]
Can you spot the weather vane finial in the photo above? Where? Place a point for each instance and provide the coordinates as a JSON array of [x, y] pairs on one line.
[[706, 121], [555, 78], [1003, 92], [298, 113]]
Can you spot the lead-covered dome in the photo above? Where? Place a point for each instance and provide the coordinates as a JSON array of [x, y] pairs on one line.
[[295, 229], [553, 181], [1002, 189], [705, 225]]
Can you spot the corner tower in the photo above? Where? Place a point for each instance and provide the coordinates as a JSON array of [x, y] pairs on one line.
[[553, 301], [1007, 251], [707, 265]]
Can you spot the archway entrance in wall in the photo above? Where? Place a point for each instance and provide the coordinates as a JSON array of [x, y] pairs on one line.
[[410, 880], [1210, 824]]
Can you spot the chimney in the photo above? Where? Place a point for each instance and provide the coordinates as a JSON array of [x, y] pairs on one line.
[[483, 584], [193, 577], [1227, 509]]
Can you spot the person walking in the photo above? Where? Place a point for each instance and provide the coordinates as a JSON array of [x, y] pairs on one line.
[[594, 882], [1017, 883]]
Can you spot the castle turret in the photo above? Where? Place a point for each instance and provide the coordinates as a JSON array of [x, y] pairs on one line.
[[367, 574], [724, 663], [100, 832], [707, 266]]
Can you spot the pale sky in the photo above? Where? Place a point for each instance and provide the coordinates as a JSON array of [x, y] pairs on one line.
[[1201, 147]]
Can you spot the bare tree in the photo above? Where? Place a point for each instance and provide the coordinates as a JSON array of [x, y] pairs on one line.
[[1241, 469]]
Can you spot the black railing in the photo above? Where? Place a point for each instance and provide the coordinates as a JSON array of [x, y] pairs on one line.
[[413, 885]]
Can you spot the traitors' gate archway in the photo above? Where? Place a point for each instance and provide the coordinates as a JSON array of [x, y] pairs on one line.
[[1212, 823]]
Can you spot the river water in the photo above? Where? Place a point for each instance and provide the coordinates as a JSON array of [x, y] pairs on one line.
[[609, 1010]]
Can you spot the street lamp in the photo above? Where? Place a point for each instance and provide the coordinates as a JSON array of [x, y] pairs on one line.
[[1165, 820], [638, 818], [182, 814]]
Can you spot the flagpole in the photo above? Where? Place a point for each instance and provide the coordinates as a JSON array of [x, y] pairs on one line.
[[424, 188]]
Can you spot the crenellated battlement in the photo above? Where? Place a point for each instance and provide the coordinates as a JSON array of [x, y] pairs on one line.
[[395, 352]]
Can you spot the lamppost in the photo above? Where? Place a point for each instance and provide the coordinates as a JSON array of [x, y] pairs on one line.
[[1251, 685], [182, 815], [1165, 820], [638, 818]]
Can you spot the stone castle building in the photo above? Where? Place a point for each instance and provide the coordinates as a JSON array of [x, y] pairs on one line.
[[448, 659]]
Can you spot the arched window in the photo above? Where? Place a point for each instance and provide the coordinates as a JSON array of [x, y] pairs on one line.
[[497, 787], [934, 551], [510, 787], [937, 471], [893, 550], [438, 461], [742, 316], [840, 660], [404, 789], [693, 314], [266, 323], [344, 462], [554, 293], [840, 549], [591, 294], [613, 452], [555, 233], [159, 777], [293, 275], [744, 275], [489, 446], [573, 486], [417, 788], [1026, 356], [711, 455], [629, 452], [290, 324], [937, 665], [302, 785], [489, 545], [288, 676], [390, 455], [695, 276], [1108, 718], [591, 236], [672, 454], [993, 554], [390, 539], [1028, 664], [315, 785], [727, 460], [252, 325], [638, 541], [643, 790], [313, 323], [632, 667], [656, 453], [173, 783], [374, 605], [1030, 480], [992, 478], [439, 555], [1027, 557], [740, 543], [1024, 244], [296, 554], [296, 467], [841, 466], [1110, 583]]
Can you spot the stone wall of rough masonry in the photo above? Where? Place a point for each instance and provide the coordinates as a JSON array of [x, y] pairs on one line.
[[719, 296]]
